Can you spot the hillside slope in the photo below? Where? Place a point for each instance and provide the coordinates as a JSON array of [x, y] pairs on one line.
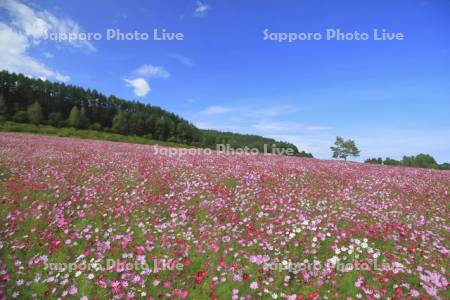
[[200, 226], [30, 100]]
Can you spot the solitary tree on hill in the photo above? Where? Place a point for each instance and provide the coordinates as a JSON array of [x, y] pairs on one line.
[[344, 149]]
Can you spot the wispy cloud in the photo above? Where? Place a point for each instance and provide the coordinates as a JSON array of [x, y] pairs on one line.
[[150, 71], [288, 126], [182, 59], [269, 112], [215, 110], [47, 55], [140, 86], [277, 121], [201, 9], [250, 113]]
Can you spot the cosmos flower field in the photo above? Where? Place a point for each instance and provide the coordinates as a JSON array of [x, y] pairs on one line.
[[84, 219]]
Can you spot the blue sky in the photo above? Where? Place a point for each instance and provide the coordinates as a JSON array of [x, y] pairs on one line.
[[392, 97]]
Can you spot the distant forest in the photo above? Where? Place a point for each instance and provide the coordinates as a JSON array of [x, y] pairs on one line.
[[30, 100], [418, 161]]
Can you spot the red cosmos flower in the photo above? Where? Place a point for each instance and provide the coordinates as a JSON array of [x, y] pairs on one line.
[[199, 277], [54, 245], [246, 276], [398, 292], [4, 277], [186, 262], [222, 262], [197, 280], [299, 297], [123, 244], [139, 251], [314, 295], [383, 279]]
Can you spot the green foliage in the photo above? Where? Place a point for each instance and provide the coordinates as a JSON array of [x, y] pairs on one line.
[[9, 126], [212, 138], [20, 116], [84, 120], [120, 123], [419, 161], [391, 162], [423, 161], [56, 119], [74, 119], [78, 118], [3, 107], [96, 126], [344, 148], [34, 113], [378, 160], [444, 166]]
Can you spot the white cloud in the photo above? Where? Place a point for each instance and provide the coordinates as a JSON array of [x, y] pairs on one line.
[[140, 86], [182, 59], [26, 28], [14, 57], [149, 71], [215, 109], [201, 9], [37, 24]]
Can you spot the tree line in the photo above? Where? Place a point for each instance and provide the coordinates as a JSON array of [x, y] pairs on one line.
[[30, 100], [418, 161]]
